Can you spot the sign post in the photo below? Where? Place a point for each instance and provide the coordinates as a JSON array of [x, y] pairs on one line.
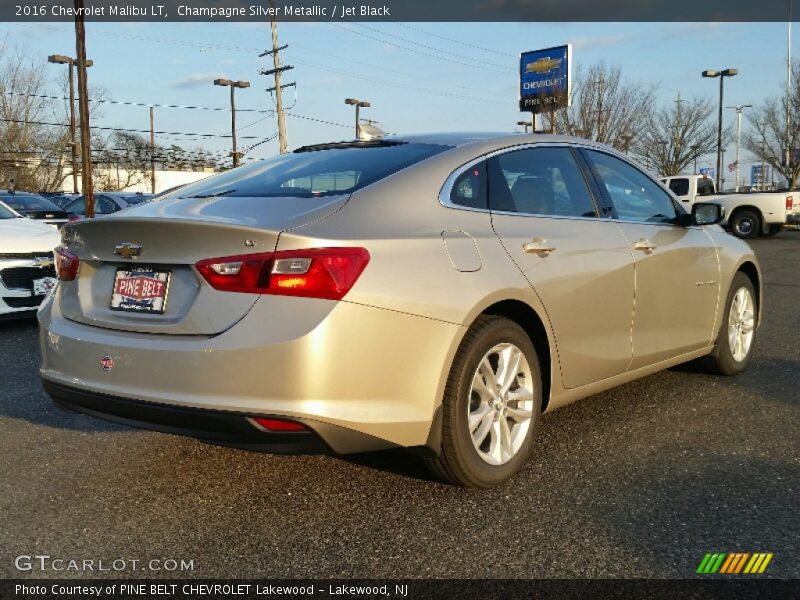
[[544, 81]]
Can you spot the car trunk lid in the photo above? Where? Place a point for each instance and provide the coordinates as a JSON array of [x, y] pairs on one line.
[[163, 241]]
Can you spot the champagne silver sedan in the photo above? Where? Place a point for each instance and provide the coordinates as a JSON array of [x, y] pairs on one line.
[[433, 292]]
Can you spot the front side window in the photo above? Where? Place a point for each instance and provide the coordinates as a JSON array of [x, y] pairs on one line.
[[679, 187], [539, 181], [634, 195]]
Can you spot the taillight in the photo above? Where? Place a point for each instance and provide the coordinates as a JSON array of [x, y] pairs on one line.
[[279, 424], [315, 273], [66, 264], [789, 203]]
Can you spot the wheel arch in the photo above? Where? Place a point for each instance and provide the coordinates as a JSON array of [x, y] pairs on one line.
[[533, 325], [751, 270]]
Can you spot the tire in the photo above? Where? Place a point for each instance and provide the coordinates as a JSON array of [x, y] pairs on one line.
[[502, 451], [723, 360], [746, 224], [774, 230]]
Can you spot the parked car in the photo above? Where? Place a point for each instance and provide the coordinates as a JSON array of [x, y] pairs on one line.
[[435, 292], [35, 207], [27, 272], [59, 198], [747, 215], [105, 203]]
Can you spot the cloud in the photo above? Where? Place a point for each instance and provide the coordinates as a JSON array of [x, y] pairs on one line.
[[599, 41], [196, 80]]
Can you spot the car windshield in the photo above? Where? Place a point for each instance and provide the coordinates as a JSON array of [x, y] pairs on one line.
[[5, 212], [138, 199], [315, 171], [28, 202]]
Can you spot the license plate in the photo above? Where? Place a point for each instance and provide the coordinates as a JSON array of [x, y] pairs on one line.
[[140, 289], [43, 286]]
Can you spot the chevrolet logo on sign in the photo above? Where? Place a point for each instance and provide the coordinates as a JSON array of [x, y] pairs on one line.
[[543, 65], [127, 250]]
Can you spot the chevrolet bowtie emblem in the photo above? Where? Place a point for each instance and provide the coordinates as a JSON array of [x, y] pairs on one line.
[[127, 250]]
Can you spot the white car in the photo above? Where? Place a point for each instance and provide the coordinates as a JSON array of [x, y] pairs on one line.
[[27, 273]]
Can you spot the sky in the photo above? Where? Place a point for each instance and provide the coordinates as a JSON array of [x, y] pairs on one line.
[[418, 76]]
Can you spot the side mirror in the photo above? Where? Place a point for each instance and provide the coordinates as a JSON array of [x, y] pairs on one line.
[[707, 213]]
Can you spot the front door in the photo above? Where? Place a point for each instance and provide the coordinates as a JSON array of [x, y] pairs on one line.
[[677, 269]]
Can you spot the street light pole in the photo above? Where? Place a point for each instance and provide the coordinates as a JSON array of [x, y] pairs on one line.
[[60, 59], [358, 104], [738, 110], [722, 75], [233, 85]]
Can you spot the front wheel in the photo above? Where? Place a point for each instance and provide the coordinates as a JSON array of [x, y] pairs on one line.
[[746, 224], [491, 407], [734, 345]]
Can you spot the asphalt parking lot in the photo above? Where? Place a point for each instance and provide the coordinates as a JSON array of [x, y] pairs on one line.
[[640, 481]]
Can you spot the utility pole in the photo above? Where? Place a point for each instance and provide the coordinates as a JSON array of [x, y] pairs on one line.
[[276, 72], [601, 84], [152, 151], [83, 105], [738, 110], [70, 62]]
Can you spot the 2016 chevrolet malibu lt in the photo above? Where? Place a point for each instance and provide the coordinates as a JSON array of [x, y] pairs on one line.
[[436, 293]]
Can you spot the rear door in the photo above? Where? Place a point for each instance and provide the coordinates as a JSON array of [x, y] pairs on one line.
[[577, 263], [677, 269]]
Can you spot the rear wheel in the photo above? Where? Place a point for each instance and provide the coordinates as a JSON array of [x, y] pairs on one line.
[[746, 224], [492, 405], [734, 345], [774, 230]]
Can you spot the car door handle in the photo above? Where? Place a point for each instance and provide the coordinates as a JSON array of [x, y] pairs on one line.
[[645, 245], [539, 246]]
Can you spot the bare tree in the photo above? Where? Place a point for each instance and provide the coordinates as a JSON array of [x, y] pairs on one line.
[[605, 108], [774, 136], [124, 160], [671, 138]]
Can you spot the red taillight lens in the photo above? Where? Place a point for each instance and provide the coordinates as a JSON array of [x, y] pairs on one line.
[[315, 273], [789, 203], [279, 424], [66, 264]]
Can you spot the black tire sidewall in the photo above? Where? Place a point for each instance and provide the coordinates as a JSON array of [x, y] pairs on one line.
[[498, 331], [742, 216], [724, 357]]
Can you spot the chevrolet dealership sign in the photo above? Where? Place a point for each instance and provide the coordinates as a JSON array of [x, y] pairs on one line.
[[544, 79]]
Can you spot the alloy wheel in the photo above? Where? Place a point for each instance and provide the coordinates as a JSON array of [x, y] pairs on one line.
[[741, 324], [500, 404]]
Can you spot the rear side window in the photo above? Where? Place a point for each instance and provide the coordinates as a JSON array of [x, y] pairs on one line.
[[679, 187], [705, 187], [539, 181], [314, 172], [103, 205], [469, 189]]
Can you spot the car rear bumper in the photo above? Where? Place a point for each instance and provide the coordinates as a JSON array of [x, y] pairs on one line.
[[362, 378], [793, 219]]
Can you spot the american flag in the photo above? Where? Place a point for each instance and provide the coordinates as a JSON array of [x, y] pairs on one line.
[[732, 167]]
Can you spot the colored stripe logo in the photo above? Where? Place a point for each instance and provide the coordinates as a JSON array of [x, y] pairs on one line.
[[734, 563]]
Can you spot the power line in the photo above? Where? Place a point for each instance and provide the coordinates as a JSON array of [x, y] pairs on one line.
[[492, 69], [208, 135], [455, 41]]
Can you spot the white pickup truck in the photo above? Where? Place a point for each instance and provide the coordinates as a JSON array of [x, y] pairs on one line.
[[747, 215]]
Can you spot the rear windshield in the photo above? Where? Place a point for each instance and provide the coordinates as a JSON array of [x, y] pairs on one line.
[[25, 203], [328, 171]]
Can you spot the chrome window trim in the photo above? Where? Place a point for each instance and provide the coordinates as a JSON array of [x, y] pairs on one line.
[[447, 188]]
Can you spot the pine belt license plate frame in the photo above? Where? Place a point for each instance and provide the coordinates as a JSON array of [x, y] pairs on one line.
[[140, 289]]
